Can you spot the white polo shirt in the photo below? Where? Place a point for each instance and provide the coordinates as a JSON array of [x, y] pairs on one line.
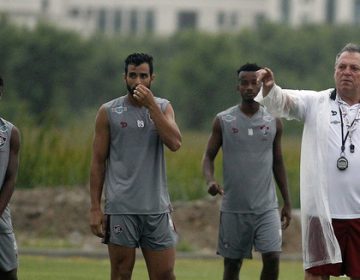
[[344, 186]]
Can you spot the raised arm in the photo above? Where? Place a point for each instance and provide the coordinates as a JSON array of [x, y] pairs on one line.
[[97, 171], [266, 77], [164, 121], [280, 175], [8, 186], [208, 167]]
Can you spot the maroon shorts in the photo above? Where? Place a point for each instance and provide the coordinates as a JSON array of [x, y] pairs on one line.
[[347, 232]]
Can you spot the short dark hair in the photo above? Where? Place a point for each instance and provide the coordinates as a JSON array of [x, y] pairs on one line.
[[251, 67], [137, 59], [349, 47]]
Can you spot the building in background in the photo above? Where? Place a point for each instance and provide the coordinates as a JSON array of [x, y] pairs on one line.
[[165, 17]]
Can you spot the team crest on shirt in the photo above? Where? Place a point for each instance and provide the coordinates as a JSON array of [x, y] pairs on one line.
[[264, 129], [118, 229]]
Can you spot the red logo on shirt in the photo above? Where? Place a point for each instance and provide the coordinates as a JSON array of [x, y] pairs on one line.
[[123, 124], [235, 130]]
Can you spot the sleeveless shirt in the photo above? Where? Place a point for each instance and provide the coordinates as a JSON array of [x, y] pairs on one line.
[[247, 145], [135, 179], [5, 135]]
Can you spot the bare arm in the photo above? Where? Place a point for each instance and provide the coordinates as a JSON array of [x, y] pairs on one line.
[[165, 122], [280, 175], [212, 148], [97, 171], [8, 186]]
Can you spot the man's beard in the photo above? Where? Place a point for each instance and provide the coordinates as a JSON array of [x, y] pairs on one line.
[[131, 90]]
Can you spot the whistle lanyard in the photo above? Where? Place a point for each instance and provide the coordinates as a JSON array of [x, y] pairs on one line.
[[343, 140]]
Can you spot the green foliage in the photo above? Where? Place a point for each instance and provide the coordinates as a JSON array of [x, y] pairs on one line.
[[51, 70]]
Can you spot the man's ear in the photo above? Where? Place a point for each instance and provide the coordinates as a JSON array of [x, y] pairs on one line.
[[153, 77]]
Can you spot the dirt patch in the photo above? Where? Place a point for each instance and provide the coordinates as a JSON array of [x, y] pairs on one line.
[[62, 213]]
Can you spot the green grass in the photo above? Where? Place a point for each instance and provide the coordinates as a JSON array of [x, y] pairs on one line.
[[49, 268]]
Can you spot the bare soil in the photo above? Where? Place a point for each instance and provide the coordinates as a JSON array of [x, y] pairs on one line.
[[62, 214]]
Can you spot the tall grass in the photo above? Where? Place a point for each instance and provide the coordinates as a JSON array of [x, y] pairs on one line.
[[53, 156]]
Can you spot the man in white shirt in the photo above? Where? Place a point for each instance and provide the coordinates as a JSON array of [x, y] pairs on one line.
[[330, 162]]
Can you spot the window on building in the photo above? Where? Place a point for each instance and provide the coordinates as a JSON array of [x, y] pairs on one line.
[[259, 19], [357, 11], [305, 19], [285, 11], [74, 12], [101, 21], [134, 21], [150, 21], [233, 19], [45, 5], [187, 20], [221, 19], [89, 13], [117, 21], [330, 11]]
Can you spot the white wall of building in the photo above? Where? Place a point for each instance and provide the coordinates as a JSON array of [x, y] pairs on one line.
[[89, 16]]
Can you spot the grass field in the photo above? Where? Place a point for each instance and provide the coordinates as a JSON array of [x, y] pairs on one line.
[[71, 268]]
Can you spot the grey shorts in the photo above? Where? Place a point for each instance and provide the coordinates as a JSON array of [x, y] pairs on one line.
[[239, 233], [156, 232], [8, 252]]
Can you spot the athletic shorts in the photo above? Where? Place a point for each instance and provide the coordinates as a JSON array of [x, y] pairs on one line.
[[239, 233], [8, 252], [156, 232], [347, 232]]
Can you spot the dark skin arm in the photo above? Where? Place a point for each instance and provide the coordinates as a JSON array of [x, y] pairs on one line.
[[97, 172], [212, 148], [8, 186], [280, 175]]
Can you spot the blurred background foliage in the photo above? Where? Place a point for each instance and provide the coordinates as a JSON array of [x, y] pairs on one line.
[[55, 80]]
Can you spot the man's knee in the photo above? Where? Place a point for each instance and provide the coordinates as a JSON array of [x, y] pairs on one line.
[[9, 275], [271, 258], [120, 274], [166, 275], [270, 266], [310, 276], [233, 262]]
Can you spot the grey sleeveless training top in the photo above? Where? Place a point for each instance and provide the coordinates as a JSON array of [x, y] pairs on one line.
[[5, 135], [247, 145], [135, 180]]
